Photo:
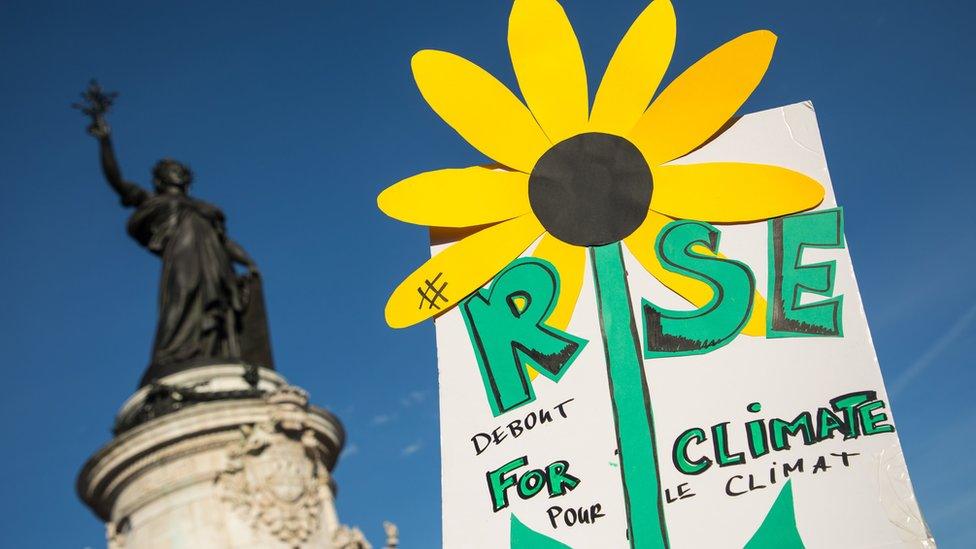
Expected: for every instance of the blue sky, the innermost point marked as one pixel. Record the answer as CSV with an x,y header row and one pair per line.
x,y
294,115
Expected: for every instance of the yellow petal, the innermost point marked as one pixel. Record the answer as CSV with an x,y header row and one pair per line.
x,y
756,326
569,262
457,197
549,66
703,98
635,70
641,244
731,192
480,108
460,269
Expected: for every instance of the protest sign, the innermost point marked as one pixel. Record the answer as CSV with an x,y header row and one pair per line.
x,y
649,332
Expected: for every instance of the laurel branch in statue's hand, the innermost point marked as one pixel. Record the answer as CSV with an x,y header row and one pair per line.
x,y
99,128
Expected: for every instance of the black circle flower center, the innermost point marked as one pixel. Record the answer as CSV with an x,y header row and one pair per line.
x,y
591,189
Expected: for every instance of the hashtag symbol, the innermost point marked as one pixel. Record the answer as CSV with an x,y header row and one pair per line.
x,y
431,293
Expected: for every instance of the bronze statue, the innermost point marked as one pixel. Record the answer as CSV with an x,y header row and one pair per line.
x,y
207,312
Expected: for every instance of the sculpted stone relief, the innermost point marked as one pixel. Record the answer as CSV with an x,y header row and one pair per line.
x,y
273,478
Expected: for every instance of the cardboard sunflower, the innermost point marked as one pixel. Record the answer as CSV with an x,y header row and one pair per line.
x,y
580,177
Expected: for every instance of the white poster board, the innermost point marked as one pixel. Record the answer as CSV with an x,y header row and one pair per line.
x,y
845,491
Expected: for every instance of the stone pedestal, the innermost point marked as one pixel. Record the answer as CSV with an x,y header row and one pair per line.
x,y
219,456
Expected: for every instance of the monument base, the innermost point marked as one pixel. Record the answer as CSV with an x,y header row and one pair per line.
x,y
217,456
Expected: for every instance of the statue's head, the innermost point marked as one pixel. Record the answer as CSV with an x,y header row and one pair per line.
x,y
170,175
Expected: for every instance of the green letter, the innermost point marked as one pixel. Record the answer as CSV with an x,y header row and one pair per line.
x,y
872,423
531,483
507,328
679,455
558,478
498,483
789,279
780,430
827,423
720,442
678,333
846,404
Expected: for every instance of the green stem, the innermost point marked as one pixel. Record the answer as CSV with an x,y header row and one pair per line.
x,y
631,401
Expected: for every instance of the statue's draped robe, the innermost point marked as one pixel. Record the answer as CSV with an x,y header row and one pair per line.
x,y
199,299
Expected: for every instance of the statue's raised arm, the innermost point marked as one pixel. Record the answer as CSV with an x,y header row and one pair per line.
x,y
95,104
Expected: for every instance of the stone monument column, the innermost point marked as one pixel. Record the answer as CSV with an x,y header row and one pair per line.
x,y
202,458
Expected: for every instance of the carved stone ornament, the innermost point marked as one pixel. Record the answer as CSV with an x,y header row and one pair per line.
x,y
346,537
392,534
273,478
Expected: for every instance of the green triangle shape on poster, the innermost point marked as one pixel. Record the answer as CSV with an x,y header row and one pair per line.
x,y
523,537
778,529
